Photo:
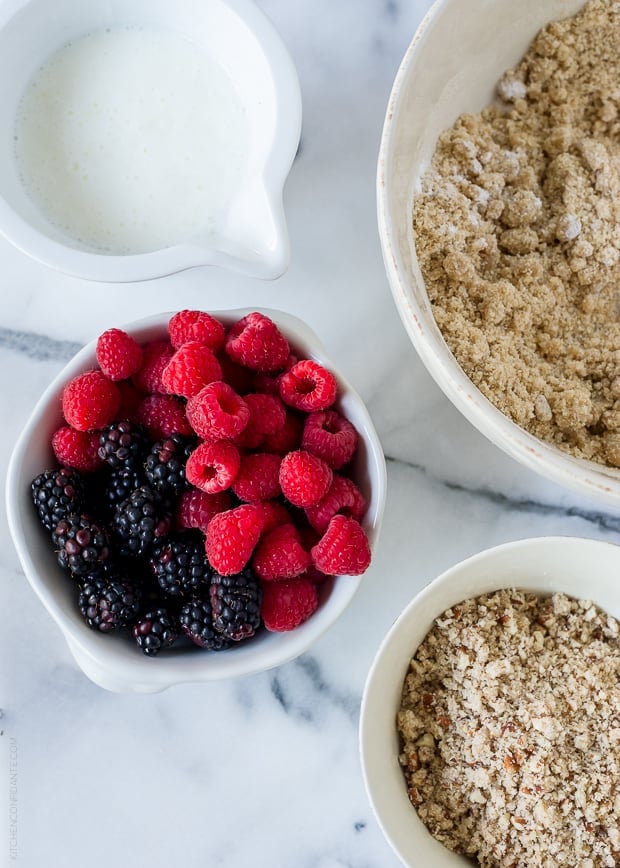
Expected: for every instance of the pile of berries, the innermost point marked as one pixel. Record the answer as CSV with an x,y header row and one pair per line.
x,y
204,485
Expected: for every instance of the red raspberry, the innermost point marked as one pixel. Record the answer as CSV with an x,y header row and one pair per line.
x,y
232,537
238,377
155,357
267,413
331,437
90,401
118,354
287,604
195,325
287,438
270,385
164,415
77,449
212,467
258,477
216,412
196,508
130,401
343,550
308,386
257,343
190,368
274,514
342,498
280,555
267,416
304,478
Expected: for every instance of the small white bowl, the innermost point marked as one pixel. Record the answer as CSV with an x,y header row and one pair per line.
x,y
239,37
118,664
452,66
581,568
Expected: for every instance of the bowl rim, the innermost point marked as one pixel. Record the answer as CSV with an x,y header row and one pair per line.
x,y
115,268
366,735
597,481
101,661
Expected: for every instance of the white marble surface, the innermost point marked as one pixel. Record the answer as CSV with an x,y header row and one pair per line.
x,y
263,771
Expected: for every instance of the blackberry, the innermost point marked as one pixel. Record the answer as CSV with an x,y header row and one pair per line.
x,y
107,604
165,464
196,622
155,630
123,445
56,494
139,521
235,601
119,485
180,564
82,543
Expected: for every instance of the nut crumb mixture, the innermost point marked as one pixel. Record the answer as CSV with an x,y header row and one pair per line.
x,y
510,731
517,230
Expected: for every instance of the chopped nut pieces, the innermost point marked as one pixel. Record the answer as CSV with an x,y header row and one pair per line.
x,y
517,230
510,732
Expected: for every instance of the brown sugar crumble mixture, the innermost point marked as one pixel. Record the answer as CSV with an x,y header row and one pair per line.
x,y
510,731
517,230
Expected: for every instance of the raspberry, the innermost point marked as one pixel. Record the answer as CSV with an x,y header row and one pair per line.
x,y
343,497
287,438
280,554
343,550
328,435
267,413
231,538
195,325
90,401
217,412
304,478
130,401
274,514
196,508
77,449
308,386
257,478
288,604
270,384
164,415
118,354
257,343
212,467
190,368
238,377
267,416
155,357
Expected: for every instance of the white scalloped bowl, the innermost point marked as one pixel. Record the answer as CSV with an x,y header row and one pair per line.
x,y
253,238
452,66
115,662
581,568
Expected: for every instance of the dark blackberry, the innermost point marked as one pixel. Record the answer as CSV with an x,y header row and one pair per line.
x,y
56,494
139,521
155,630
82,544
119,485
235,601
196,622
123,444
107,604
165,464
180,564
